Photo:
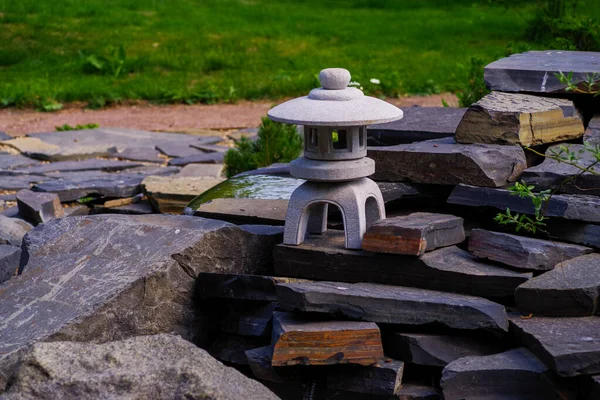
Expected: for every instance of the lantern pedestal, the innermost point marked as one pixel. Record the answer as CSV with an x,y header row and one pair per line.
x,y
360,202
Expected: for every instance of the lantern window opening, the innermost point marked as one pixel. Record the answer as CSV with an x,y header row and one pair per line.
x,y
339,139
313,139
361,137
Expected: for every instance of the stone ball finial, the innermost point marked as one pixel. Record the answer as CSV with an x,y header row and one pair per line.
x,y
334,78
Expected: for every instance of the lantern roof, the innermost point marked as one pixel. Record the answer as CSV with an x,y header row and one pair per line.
x,y
335,104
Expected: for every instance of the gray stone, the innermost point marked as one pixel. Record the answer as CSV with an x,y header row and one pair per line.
x,y
323,257
436,350
443,161
13,161
522,252
210,148
178,149
156,366
76,210
239,287
575,232
410,391
118,185
417,124
42,150
85,165
535,71
37,207
11,212
5,136
567,206
172,194
141,208
9,261
572,289
143,154
515,374
570,346
231,349
327,171
381,379
194,170
594,392
10,180
560,177
393,305
201,158
592,133
113,277
12,230
245,211
248,319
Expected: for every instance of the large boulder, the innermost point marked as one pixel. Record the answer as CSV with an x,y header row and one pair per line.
x,y
145,367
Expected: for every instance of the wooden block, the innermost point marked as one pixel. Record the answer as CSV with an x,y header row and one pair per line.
x,y
381,379
323,257
514,118
239,287
414,234
300,341
522,252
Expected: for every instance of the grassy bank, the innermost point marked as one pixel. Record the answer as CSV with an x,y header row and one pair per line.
x,y
220,50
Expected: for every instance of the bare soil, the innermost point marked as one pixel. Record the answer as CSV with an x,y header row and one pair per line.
x,y
180,118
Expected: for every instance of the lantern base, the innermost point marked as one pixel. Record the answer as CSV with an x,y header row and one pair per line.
x,y
360,202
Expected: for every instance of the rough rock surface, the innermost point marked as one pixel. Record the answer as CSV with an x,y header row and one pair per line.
x,y
393,304
515,374
592,133
572,289
195,170
245,211
85,165
14,161
445,162
108,277
522,252
169,194
157,366
9,261
37,207
201,158
12,230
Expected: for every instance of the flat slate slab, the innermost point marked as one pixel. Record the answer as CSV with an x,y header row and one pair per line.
x,y
14,161
12,230
249,319
100,268
177,149
417,124
535,71
239,287
195,170
42,150
575,232
143,154
522,252
9,261
246,211
393,305
554,175
567,206
592,133
85,165
436,350
324,257
515,374
414,234
10,180
570,346
572,289
169,194
381,379
445,162
37,208
514,118
201,158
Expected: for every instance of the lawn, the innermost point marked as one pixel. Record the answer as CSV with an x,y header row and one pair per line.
x,y
222,50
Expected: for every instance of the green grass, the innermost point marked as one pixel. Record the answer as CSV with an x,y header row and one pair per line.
x,y
220,50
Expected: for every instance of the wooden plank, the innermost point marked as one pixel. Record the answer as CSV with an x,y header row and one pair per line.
x,y
301,341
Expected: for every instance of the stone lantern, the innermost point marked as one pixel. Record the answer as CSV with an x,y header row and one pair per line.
x,y
334,165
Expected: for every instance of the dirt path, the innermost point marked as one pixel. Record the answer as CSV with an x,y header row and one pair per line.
x,y
166,118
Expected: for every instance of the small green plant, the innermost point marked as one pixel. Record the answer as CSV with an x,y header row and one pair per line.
x,y
77,127
111,63
50,105
590,86
474,88
276,142
523,221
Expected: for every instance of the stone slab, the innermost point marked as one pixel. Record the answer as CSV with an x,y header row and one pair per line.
x,y
14,161
445,162
5,136
535,71
570,346
108,277
323,257
246,211
12,230
9,261
414,234
575,232
239,287
231,349
301,341
592,133
515,374
194,170
567,206
210,148
594,391
514,118
248,319
572,289
522,252
417,124
411,391
202,158
381,379
85,165
10,180
430,349
118,185
37,207
177,149
393,305
169,194
143,154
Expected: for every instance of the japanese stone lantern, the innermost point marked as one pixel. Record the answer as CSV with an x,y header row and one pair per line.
x,y
335,165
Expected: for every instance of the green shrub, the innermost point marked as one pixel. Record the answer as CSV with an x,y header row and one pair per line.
x,y
474,88
276,142
77,127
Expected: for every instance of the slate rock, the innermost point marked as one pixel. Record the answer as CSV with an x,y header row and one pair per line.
x,y
417,124
445,162
41,150
273,169
410,391
324,257
142,154
535,71
14,161
239,287
85,165
381,379
592,133
515,374
245,211
201,158
210,148
114,277
194,170
37,208
414,234
177,149
594,392
564,178
76,210
116,185
570,346
572,289
12,230
248,319
154,366
514,118
5,136
393,305
522,252
10,180
141,208
575,232
231,349
172,194
9,261
574,207
430,349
